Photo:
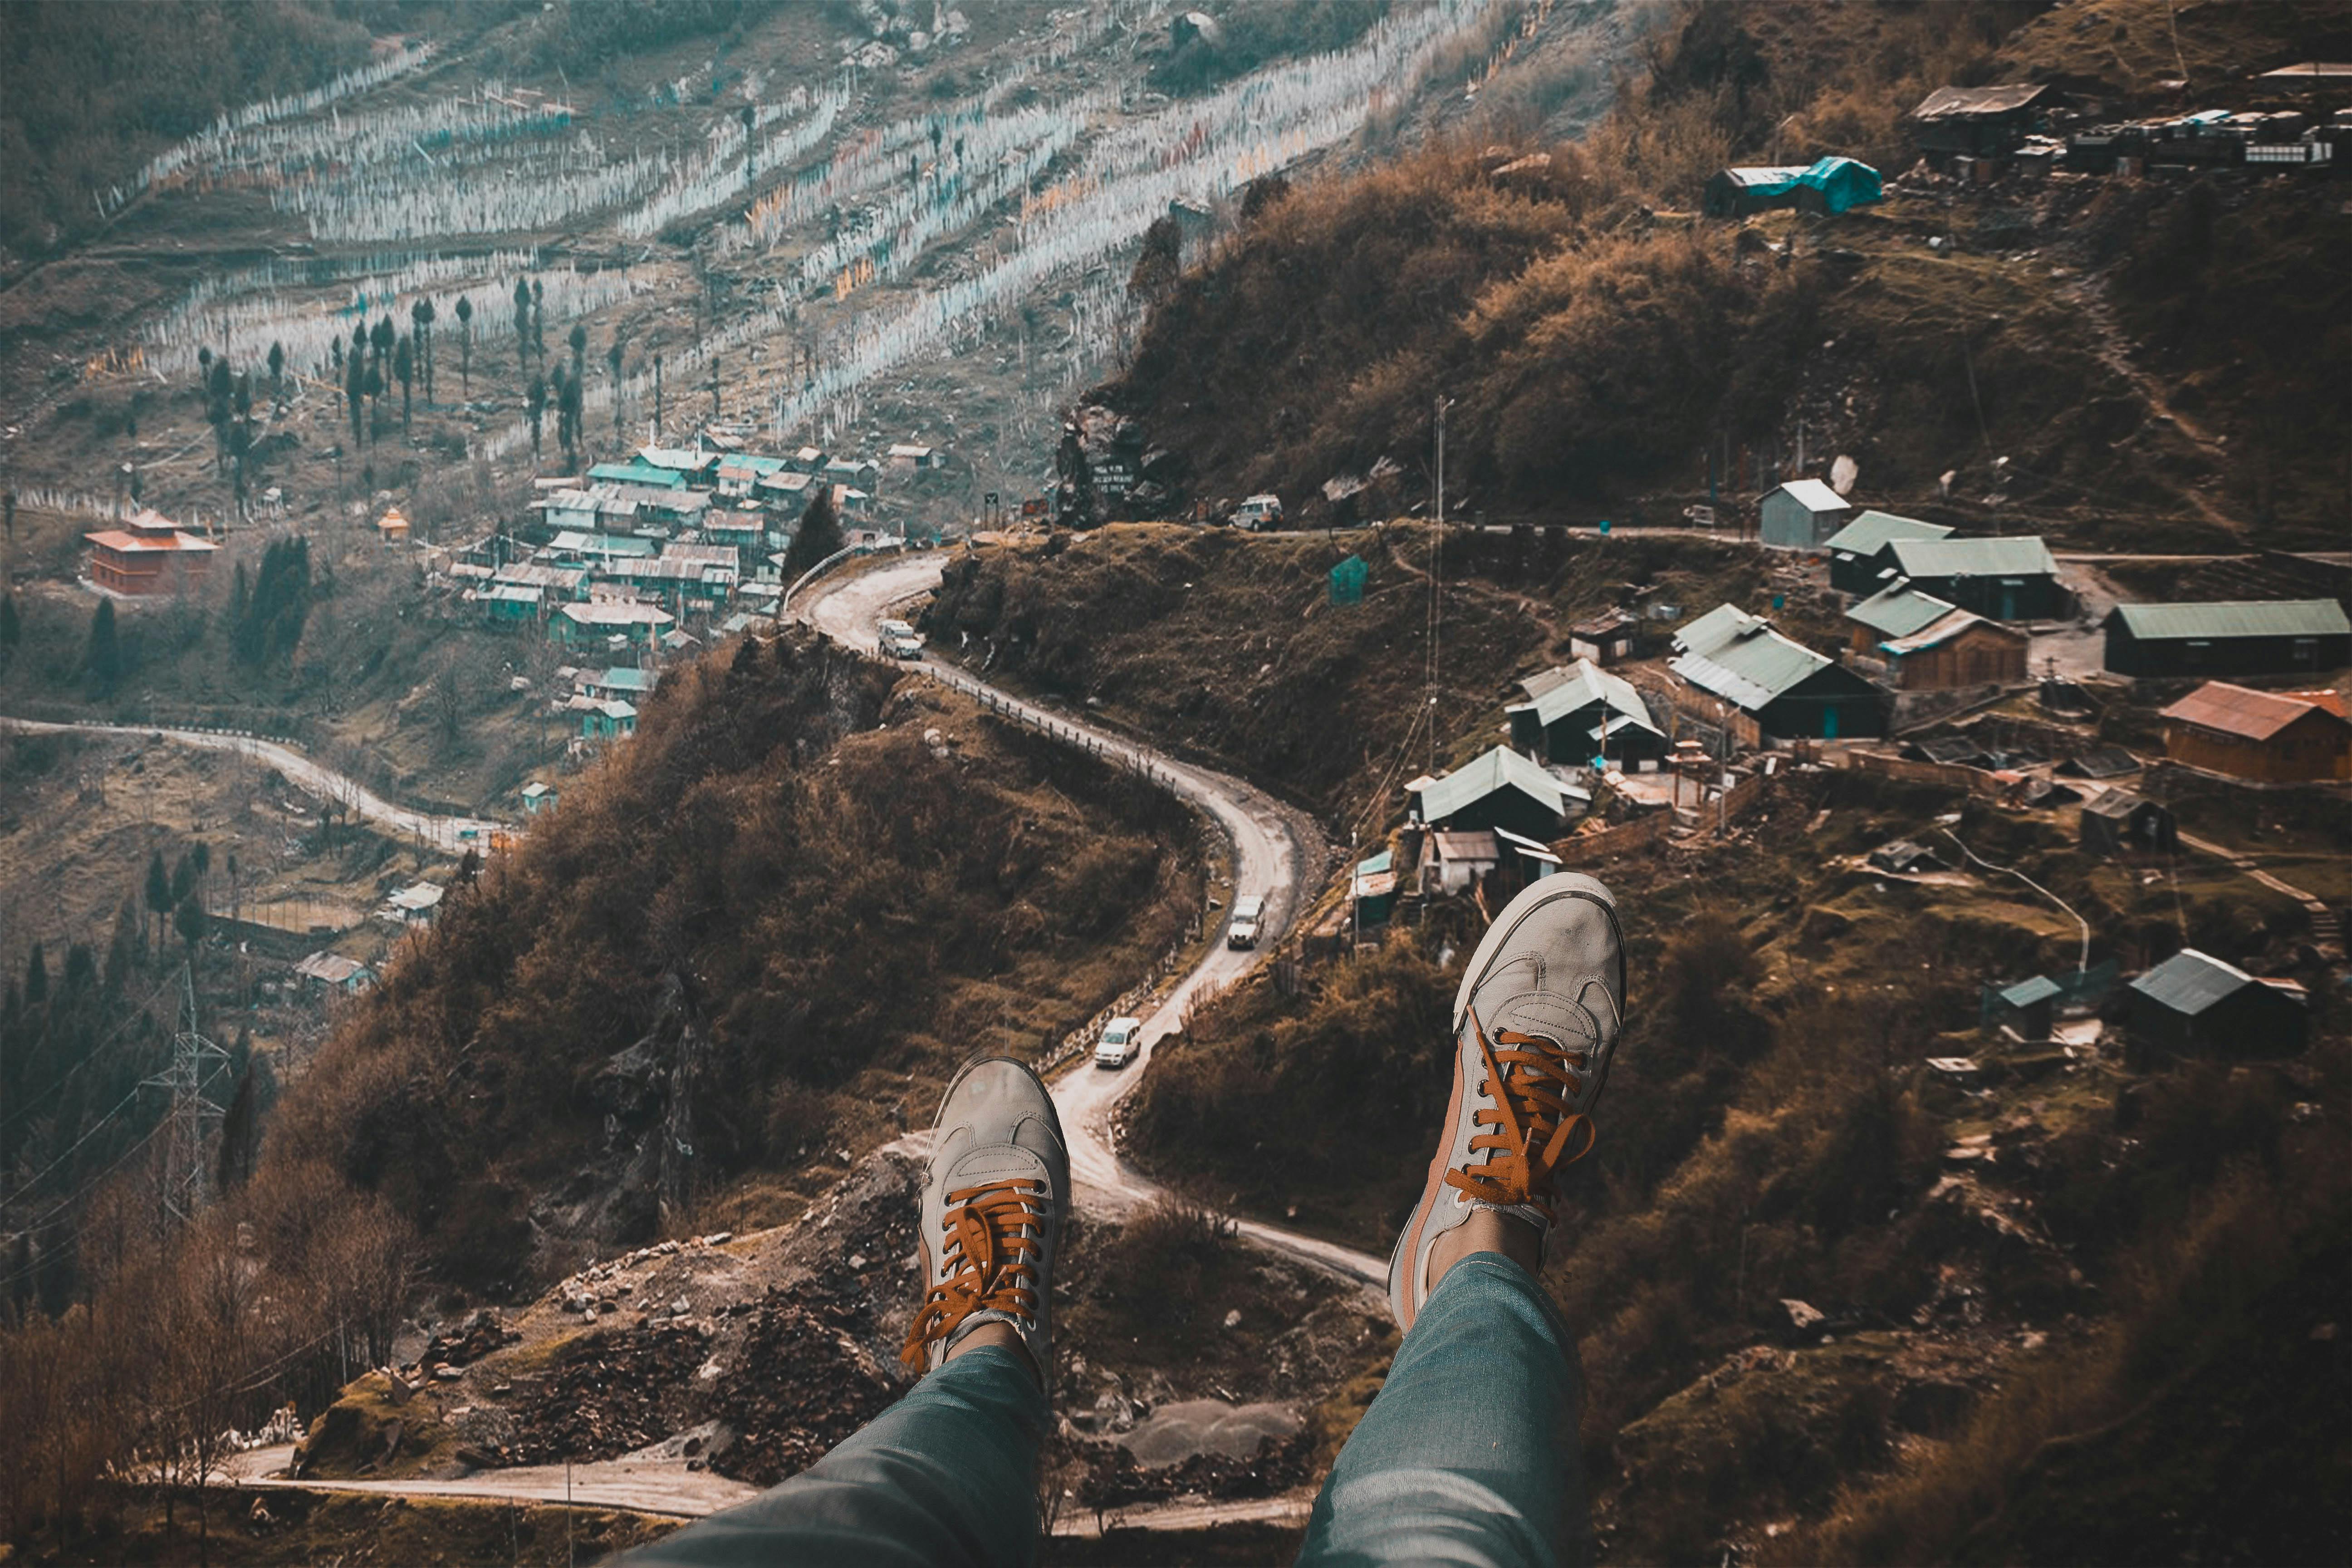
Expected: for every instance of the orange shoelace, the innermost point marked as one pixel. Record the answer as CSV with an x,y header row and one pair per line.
x,y
994,1238
1531,1081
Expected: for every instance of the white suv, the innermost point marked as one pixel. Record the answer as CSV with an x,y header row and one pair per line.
x,y
1121,1038
1259,511
1247,912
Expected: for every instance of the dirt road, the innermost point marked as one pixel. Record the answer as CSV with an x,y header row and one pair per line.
x,y
451,835
1267,860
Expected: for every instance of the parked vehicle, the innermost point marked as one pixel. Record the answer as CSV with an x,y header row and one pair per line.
x,y
1259,511
1247,912
899,641
1121,1038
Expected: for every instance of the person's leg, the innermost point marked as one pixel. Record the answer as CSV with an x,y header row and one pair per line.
x,y
947,1475
1468,1455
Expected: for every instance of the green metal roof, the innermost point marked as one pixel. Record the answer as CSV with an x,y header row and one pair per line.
x,y
1564,689
2026,992
638,474
2236,618
1739,657
2021,557
1899,611
2189,982
1873,531
1501,768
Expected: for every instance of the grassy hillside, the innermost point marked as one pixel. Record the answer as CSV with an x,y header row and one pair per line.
x,y
2078,354
763,932
2019,1348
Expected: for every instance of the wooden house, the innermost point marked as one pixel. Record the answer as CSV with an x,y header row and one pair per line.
x,y
2195,1004
2013,579
147,554
2266,736
1959,648
1500,789
1860,562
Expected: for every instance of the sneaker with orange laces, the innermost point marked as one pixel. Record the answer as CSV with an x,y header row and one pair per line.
x,y
994,1196
1534,1023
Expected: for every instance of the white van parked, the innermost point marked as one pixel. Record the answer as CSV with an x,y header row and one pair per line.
x,y
1259,511
1247,912
1121,1038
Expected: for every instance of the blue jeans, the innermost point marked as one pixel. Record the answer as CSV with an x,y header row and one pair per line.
x,y
1468,1457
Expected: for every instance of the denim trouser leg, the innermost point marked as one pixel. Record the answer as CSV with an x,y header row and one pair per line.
x,y
946,1476
1468,1455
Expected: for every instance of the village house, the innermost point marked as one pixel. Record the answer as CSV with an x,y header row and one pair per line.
x,y
2026,1009
2266,736
1787,690
641,474
2013,579
597,509
604,718
1451,862
599,622
1737,192
1954,123
2120,820
1605,640
147,554
623,681
808,460
1577,712
538,797
2195,1004
1499,789
1959,648
741,531
857,472
1860,562
2283,636
1803,514
332,975
414,905
510,603
908,457
784,491
692,467
601,550
391,528
1894,611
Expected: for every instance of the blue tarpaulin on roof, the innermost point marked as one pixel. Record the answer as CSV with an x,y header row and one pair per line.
x,y
1843,183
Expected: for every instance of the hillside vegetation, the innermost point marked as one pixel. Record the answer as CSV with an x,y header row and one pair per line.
x,y
2013,1351
765,931
1599,341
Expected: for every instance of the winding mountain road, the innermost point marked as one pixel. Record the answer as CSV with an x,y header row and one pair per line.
x,y
1267,860
452,835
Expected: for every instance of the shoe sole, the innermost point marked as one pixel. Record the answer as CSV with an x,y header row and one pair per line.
x,y
1538,895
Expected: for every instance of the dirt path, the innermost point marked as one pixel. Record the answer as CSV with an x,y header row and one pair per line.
x,y
2326,930
2115,352
1268,859
451,835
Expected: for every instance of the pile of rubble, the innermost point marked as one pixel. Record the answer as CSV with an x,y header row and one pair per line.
x,y
602,1290
799,1387
1114,1478
476,1338
608,1393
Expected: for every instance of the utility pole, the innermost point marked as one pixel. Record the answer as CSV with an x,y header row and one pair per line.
x,y
1437,583
196,1063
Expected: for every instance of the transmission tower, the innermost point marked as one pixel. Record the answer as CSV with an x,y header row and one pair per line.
x,y
197,1067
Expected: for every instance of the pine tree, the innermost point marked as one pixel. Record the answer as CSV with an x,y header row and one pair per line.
x,y
522,326
11,632
403,366
159,886
613,358
465,344
36,978
188,921
818,536
104,657
277,369
535,405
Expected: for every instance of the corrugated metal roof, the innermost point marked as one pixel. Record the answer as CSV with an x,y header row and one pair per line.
x,y
2115,805
2241,710
1766,175
2189,982
2026,992
1943,629
2236,618
1870,533
1565,689
1741,659
1975,102
1815,496
1504,837
1899,611
1478,846
2021,557
1501,768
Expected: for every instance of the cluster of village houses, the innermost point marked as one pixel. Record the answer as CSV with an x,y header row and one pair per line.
x,y
1937,625
1978,133
645,559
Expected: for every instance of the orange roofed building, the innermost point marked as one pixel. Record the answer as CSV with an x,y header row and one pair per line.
x,y
2271,737
147,554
